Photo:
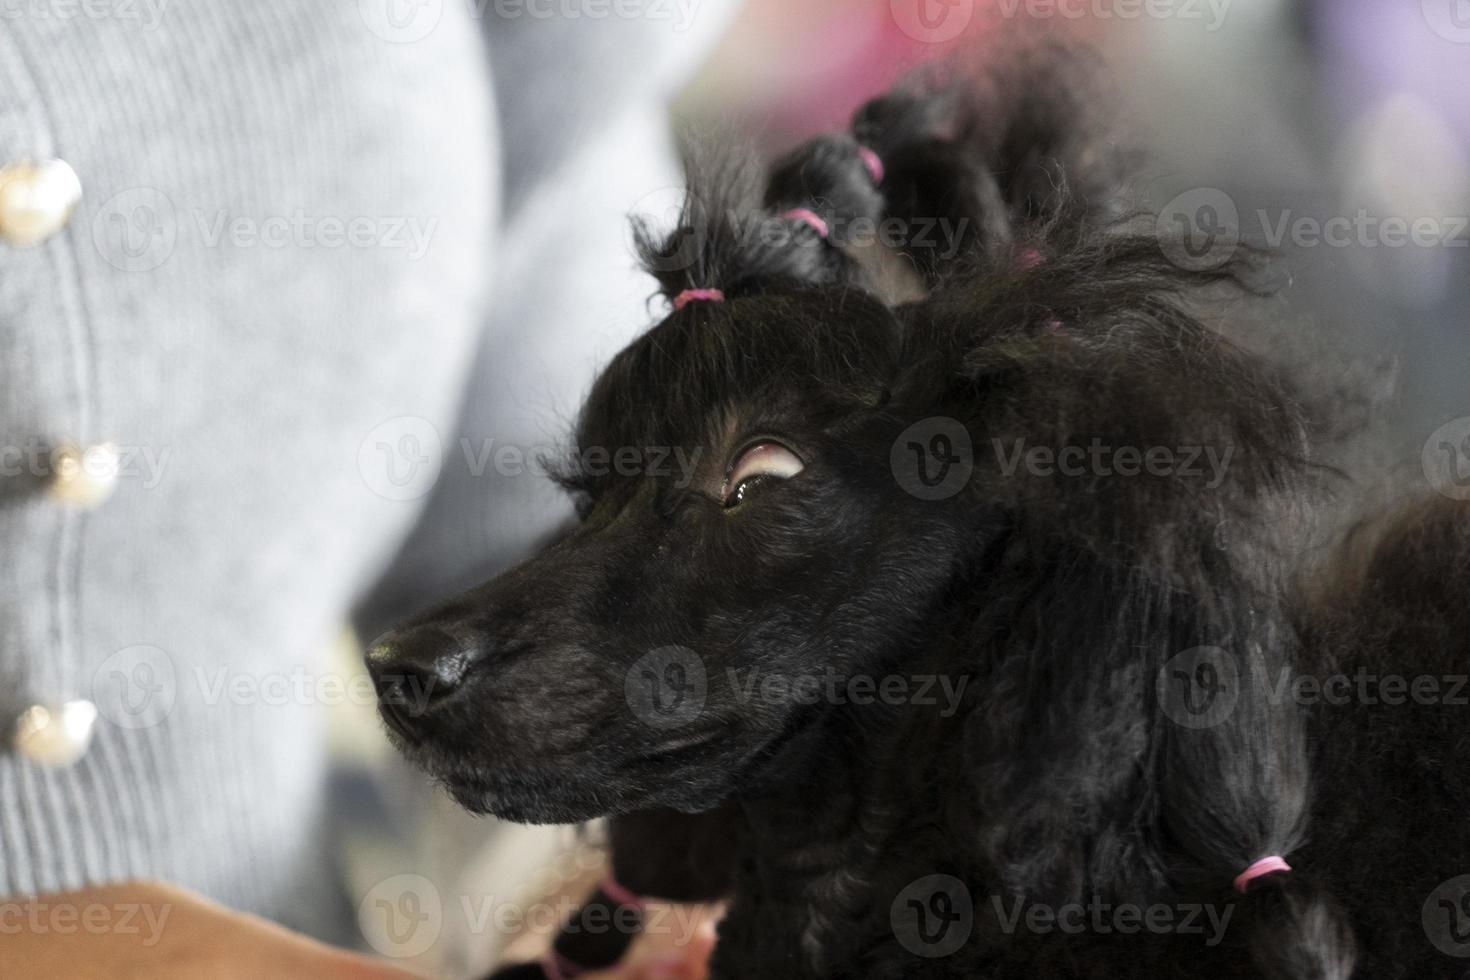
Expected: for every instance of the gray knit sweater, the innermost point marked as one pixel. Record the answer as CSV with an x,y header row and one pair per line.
x,y
297,259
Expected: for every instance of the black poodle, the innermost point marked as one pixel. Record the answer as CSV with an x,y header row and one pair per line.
x,y
981,639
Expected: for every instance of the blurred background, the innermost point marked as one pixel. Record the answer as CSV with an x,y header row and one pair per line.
x,y
1282,114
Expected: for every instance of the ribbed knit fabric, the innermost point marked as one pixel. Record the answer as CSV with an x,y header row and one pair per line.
x,y
243,379
251,371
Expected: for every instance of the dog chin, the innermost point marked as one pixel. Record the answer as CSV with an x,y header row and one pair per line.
x,y
540,801
531,801
533,809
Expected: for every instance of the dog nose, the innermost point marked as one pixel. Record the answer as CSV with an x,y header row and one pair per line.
x,y
415,669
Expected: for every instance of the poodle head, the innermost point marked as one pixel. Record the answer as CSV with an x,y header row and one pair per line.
x,y
753,536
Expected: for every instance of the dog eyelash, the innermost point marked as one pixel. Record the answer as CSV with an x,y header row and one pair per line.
x,y
736,497
580,487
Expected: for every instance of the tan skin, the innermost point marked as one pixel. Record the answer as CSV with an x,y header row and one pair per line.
x,y
189,937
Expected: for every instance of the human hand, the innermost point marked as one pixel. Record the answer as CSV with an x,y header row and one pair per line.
x,y
153,931
666,956
657,955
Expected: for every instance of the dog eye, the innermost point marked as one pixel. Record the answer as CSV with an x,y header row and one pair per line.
x,y
762,461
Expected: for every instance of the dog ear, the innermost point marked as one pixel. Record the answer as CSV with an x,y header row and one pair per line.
x,y
1391,605
1130,620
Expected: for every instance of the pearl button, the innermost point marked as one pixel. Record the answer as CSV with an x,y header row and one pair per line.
x,y
36,200
56,737
83,478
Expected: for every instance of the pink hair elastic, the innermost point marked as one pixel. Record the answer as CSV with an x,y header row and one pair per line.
x,y
1265,866
873,162
1028,259
557,967
620,894
808,217
698,296
554,965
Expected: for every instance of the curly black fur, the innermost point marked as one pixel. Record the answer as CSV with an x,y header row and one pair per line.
x,y
1052,605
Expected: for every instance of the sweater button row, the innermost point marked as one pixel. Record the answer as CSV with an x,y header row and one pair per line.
x,y
58,735
36,202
